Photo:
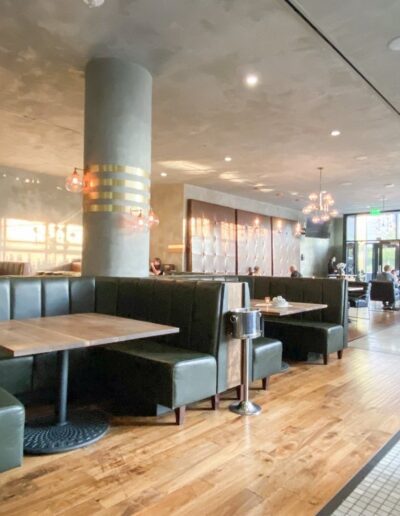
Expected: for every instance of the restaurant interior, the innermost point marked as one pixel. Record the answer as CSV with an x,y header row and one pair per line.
x,y
199,257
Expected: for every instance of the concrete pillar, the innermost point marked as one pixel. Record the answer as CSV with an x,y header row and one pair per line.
x,y
117,165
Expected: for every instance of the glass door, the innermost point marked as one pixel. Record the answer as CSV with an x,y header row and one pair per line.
x,y
388,254
367,256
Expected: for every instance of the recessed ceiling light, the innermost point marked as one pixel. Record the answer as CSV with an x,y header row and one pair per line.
x,y
266,190
346,183
294,193
394,44
237,180
37,181
58,188
335,132
4,175
163,174
259,185
94,3
17,178
251,80
228,175
228,158
389,185
361,158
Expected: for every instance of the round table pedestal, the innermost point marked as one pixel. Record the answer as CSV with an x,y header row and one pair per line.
x,y
82,428
63,432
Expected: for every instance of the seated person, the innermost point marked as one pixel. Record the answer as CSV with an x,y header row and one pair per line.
x,y
249,271
332,266
156,268
386,275
256,271
294,273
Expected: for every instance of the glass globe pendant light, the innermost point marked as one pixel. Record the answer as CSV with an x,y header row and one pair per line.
x,y
74,182
320,208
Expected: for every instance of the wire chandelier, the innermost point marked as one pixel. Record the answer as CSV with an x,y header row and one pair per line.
x,y
320,209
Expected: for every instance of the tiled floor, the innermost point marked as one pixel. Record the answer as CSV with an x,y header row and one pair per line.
x,y
379,492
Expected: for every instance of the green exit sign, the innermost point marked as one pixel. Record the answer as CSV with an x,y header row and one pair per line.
x,y
374,211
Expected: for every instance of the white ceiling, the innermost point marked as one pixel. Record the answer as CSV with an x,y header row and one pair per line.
x,y
199,52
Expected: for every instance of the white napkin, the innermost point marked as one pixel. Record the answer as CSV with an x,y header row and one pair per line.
x,y
279,301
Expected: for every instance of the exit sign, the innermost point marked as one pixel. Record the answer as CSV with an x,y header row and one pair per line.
x,y
374,211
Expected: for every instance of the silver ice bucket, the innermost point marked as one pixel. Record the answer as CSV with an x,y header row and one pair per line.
x,y
246,323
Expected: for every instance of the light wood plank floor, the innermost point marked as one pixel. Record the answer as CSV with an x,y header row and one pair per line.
x,y
319,426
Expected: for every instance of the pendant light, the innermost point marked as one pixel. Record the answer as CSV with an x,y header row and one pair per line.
x,y
74,182
320,209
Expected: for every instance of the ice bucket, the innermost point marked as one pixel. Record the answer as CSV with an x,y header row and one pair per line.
x,y
246,323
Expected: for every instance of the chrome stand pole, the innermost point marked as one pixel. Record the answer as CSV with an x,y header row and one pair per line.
x,y
245,407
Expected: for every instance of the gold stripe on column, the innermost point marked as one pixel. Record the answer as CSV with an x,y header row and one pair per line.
x,y
119,196
134,171
110,208
120,183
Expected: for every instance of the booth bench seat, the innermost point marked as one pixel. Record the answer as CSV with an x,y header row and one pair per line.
x,y
167,375
301,337
12,421
199,356
321,331
266,359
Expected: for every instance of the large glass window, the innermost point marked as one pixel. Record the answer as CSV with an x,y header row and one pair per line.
x,y
43,245
372,241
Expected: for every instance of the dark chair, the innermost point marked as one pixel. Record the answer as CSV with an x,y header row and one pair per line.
x,y
386,292
360,299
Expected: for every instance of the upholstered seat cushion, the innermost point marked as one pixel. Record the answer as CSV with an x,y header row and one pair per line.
x,y
15,373
316,336
267,357
12,420
163,374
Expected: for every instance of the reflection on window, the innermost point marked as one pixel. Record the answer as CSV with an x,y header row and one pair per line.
x,y
43,245
372,228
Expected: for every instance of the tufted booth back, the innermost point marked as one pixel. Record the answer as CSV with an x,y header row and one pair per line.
x,y
194,307
23,298
306,290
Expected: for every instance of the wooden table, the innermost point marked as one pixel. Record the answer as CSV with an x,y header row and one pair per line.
x,y
268,309
61,334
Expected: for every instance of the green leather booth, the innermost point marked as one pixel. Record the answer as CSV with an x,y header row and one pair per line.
x,y
266,355
12,420
320,331
171,371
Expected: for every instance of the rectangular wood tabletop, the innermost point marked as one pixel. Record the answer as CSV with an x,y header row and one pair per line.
x,y
61,332
293,308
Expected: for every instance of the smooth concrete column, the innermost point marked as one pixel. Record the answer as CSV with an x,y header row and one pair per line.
x,y
117,164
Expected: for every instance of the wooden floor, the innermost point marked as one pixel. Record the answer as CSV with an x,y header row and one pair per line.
x,y
319,426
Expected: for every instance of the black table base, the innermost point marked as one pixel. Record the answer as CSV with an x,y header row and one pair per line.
x,y
82,428
63,432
